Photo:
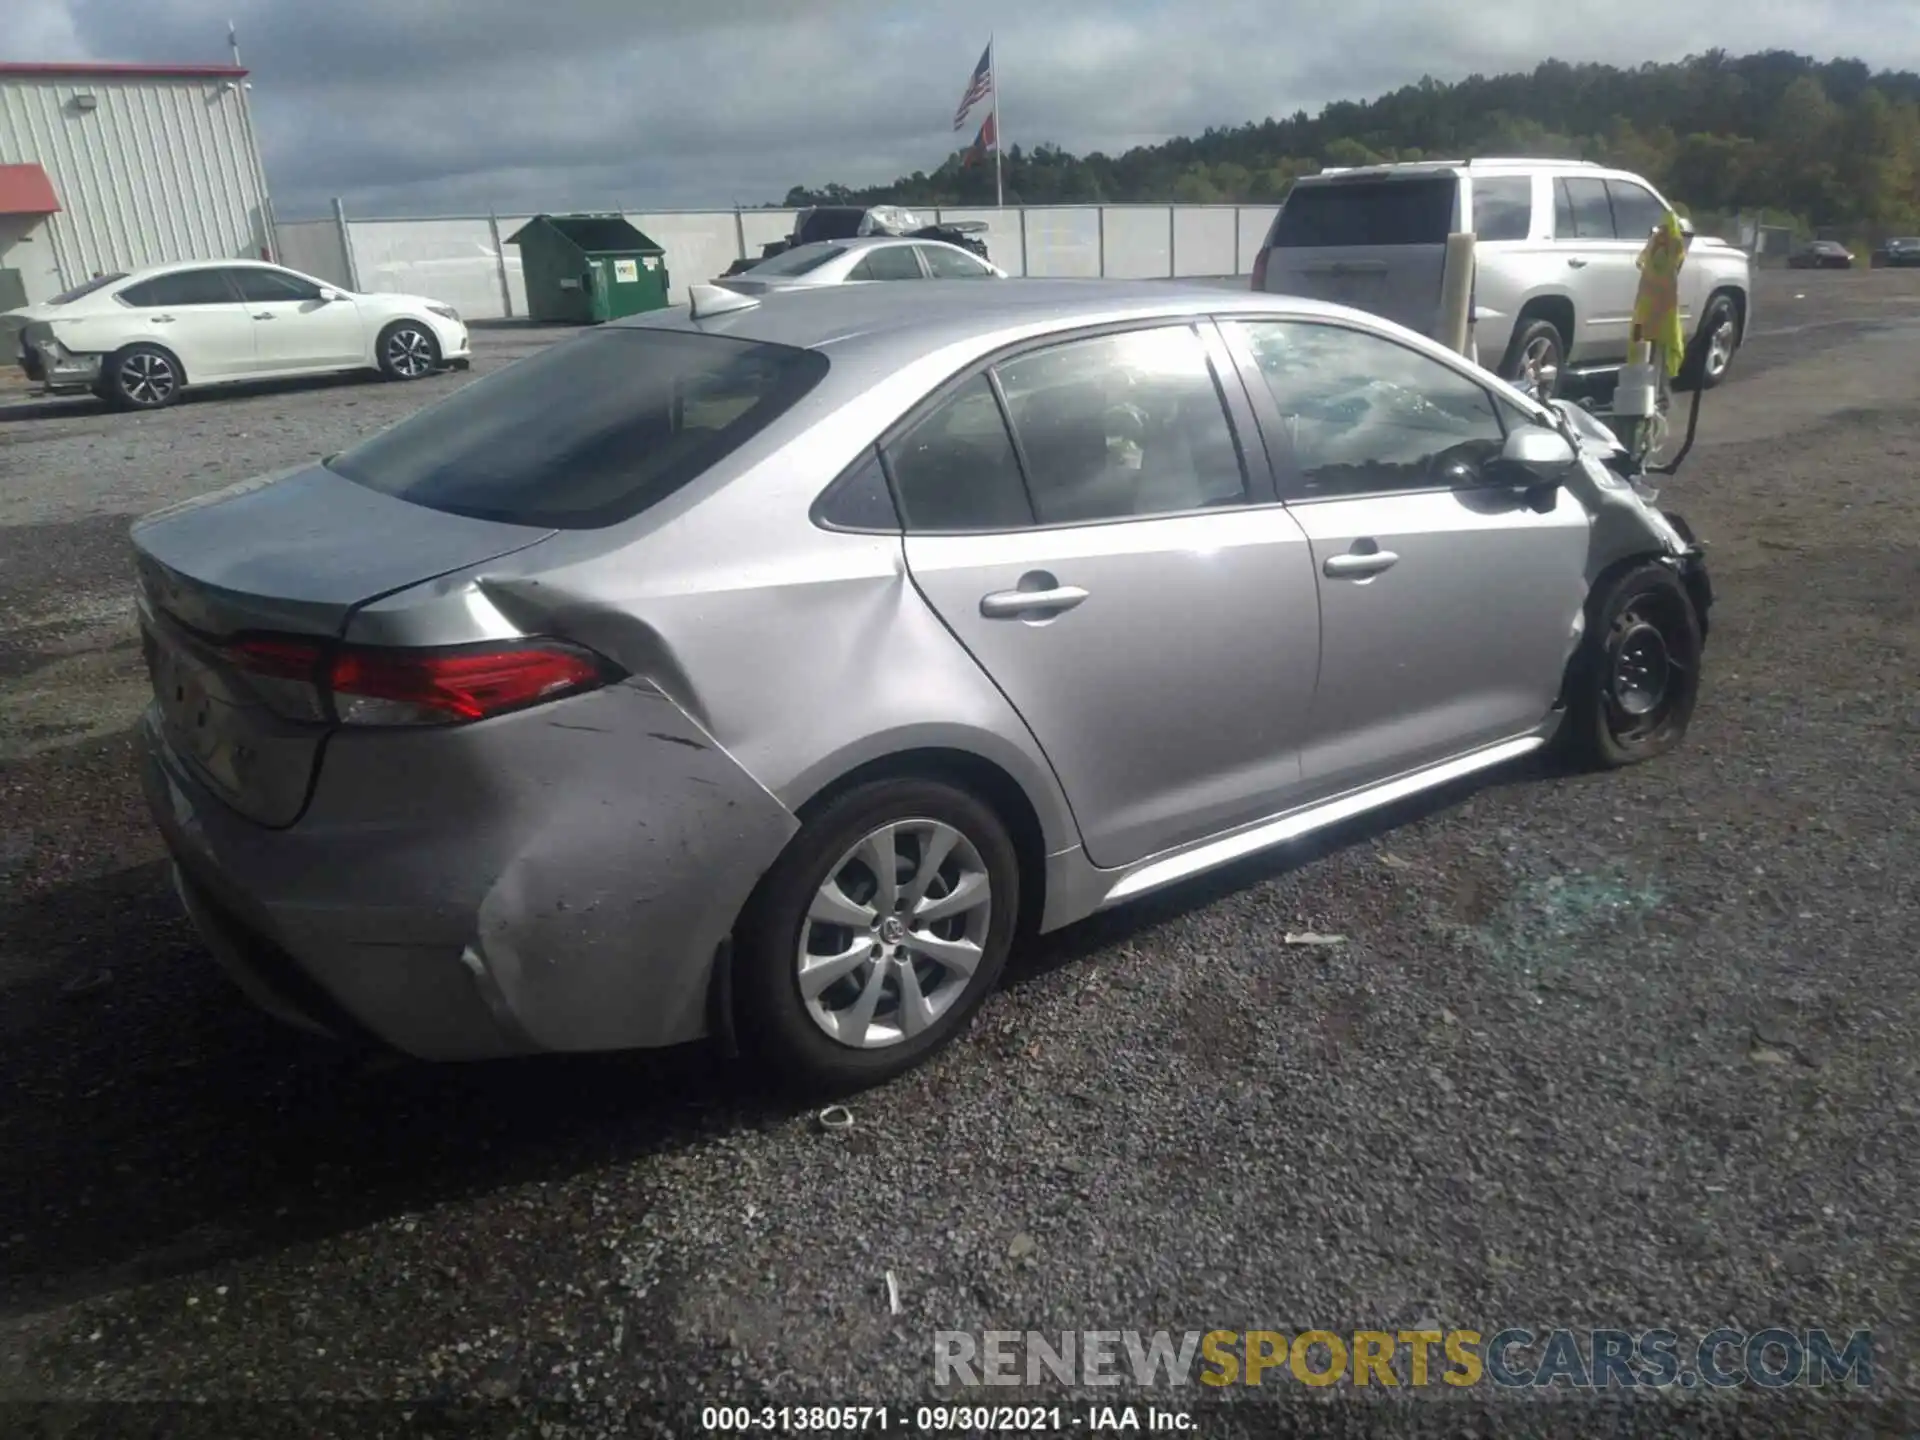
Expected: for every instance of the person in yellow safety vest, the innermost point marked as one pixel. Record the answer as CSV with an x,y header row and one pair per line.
x,y
1656,309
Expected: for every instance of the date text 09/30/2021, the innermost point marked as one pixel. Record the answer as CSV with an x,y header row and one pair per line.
x,y
944,1419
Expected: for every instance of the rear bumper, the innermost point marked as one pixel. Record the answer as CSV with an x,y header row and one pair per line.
x,y
455,896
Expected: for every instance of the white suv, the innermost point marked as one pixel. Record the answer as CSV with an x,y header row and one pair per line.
x,y
1554,272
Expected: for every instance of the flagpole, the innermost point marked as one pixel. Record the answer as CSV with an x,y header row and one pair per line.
x,y
993,64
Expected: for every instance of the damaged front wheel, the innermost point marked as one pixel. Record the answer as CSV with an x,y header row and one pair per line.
x,y
1637,674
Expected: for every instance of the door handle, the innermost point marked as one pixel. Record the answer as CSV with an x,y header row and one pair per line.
x,y
1577,263
264,315
163,319
1352,566
1013,604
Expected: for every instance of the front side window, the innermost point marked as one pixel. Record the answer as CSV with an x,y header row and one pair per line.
x,y
587,432
1587,209
1122,425
1363,415
262,285
888,262
1503,207
1635,211
956,470
183,287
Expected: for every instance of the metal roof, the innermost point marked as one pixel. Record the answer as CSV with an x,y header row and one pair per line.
x,y
115,70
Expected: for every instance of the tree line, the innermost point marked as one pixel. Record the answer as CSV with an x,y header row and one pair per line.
x,y
1819,145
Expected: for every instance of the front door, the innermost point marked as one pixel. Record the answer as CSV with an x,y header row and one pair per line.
x,y
293,328
1145,608
1447,605
1602,278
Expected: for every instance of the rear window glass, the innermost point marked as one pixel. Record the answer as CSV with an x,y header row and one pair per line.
x,y
588,432
1366,212
67,297
797,261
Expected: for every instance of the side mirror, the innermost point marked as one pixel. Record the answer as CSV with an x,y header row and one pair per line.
x,y
328,294
1534,459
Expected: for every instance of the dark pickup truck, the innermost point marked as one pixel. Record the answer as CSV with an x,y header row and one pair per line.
x,y
846,222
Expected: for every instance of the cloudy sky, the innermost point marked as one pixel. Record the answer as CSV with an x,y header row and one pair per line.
x,y
410,107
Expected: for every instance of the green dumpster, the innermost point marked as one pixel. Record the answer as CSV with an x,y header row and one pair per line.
x,y
589,268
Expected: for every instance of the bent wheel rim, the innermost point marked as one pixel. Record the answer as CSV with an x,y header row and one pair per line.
x,y
894,934
147,379
409,352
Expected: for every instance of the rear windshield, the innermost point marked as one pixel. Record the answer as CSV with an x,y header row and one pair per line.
x,y
66,297
588,432
797,261
1338,213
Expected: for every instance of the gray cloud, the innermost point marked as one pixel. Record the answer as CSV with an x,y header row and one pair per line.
x,y
461,105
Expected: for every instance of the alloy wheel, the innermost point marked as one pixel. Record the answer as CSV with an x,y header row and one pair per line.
x,y
894,933
1720,346
409,352
148,379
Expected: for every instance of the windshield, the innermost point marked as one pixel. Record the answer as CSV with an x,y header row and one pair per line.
x,y
588,432
98,282
797,261
1339,213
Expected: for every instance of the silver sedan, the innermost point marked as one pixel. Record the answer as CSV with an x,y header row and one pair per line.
x,y
765,671
870,257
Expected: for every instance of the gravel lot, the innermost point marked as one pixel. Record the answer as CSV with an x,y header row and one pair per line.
x,y
1635,1050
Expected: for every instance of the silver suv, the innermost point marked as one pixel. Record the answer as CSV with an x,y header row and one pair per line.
x,y
1554,274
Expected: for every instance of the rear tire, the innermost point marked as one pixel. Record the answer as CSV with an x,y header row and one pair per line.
x,y
1536,359
822,900
142,377
407,350
1636,676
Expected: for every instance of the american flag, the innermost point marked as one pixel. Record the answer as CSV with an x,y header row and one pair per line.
x,y
983,144
978,88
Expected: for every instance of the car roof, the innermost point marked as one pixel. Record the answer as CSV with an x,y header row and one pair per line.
x,y
901,322
175,267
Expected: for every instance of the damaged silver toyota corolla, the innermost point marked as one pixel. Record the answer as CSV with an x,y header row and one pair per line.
x,y
763,670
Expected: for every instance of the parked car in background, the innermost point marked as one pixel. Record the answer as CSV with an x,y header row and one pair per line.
x,y
1554,252
852,222
765,667
1821,255
1902,250
139,340
837,262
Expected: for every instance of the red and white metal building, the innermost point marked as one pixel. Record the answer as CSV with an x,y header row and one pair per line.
x,y
109,167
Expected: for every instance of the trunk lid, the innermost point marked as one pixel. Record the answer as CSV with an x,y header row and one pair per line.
x,y
292,553
1374,242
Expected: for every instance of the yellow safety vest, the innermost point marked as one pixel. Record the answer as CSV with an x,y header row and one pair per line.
x,y
1656,309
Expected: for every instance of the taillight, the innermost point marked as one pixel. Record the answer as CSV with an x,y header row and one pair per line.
x,y
1260,269
367,685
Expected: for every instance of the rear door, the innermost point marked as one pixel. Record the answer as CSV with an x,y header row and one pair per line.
x,y
199,316
1375,242
1123,576
1447,606
293,328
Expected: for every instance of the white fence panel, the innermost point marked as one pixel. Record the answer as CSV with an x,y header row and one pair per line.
x,y
1002,236
1203,239
1063,241
1255,221
763,227
313,248
699,247
448,260
1138,238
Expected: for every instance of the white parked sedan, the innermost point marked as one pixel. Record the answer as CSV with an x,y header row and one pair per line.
x,y
867,257
138,340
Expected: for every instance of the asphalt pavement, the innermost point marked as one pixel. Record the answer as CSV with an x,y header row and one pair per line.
x,y
1635,1050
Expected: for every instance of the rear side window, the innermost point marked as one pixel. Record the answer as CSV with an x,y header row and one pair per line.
x,y
1635,211
956,470
1586,207
183,287
587,432
889,262
1336,213
1503,207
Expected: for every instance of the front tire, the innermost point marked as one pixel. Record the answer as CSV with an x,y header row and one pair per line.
x,y
1636,676
408,351
142,377
1536,360
846,975
1714,345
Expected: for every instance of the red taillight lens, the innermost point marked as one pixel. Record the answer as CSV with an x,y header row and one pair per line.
x,y
377,686
1260,269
